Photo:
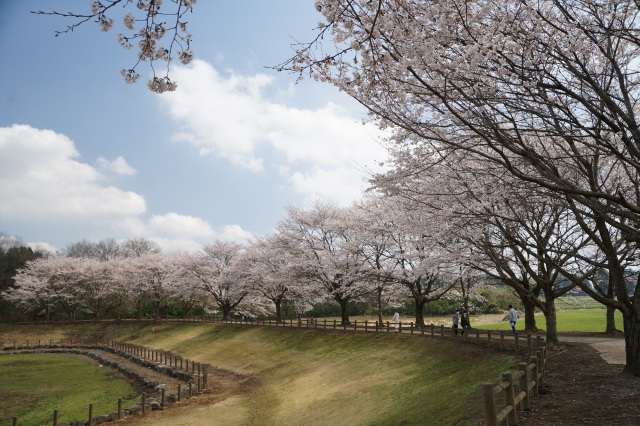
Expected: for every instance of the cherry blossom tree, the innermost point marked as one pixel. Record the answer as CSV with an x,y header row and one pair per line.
x,y
269,269
213,268
32,291
155,272
145,27
321,243
374,234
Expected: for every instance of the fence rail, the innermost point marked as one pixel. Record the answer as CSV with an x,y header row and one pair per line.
x,y
492,339
517,389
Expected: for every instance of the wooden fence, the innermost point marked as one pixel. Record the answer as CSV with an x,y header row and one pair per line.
x,y
492,339
194,374
517,388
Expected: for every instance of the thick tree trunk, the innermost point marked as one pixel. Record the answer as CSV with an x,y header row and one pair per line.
x,y
529,316
632,343
344,314
529,313
226,310
379,291
551,319
278,304
419,305
611,320
631,317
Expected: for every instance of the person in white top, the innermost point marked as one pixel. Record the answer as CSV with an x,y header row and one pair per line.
x,y
396,320
513,317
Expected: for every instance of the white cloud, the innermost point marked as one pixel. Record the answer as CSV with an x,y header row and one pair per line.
x,y
41,177
119,166
42,247
177,232
317,151
177,225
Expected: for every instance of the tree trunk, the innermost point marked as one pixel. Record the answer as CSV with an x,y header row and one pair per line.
x,y
344,304
419,305
278,304
226,310
632,343
551,319
379,291
529,317
631,317
611,320
529,314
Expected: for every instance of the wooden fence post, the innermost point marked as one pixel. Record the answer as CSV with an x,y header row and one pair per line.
x,y
334,324
524,385
162,397
534,360
90,414
179,392
387,326
15,421
509,399
204,377
399,326
144,402
432,330
411,326
55,417
119,408
442,330
489,401
502,340
540,358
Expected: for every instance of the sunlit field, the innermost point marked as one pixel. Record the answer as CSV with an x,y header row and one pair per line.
x,y
34,385
322,378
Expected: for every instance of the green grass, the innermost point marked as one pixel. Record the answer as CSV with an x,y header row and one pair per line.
x,y
311,377
324,378
587,320
33,385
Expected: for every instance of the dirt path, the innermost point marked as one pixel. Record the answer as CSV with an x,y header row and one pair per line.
x,y
611,349
584,385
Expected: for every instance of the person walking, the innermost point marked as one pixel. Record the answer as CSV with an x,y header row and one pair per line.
x,y
513,318
396,320
455,322
464,321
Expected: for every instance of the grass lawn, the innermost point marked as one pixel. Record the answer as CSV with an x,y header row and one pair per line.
x,y
311,377
33,385
327,378
584,320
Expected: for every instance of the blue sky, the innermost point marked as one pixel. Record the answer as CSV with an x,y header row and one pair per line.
x,y
83,155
